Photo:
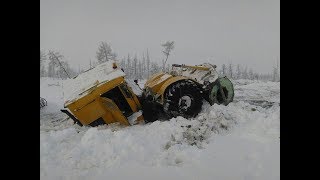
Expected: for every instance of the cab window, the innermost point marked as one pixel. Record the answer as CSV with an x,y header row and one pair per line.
x,y
126,91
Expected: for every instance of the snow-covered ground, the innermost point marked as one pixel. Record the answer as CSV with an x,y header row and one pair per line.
x,y
238,141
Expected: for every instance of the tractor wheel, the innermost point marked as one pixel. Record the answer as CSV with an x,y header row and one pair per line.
x,y
183,98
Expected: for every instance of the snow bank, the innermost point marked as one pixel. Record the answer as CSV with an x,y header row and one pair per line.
x,y
51,90
238,141
200,147
101,73
249,90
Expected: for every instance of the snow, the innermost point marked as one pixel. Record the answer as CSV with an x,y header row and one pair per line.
x,y
51,90
137,89
184,102
238,141
252,90
74,88
162,78
133,118
198,75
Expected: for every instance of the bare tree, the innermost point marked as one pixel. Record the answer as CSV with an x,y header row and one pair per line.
x,y
143,65
238,71
224,69
275,74
128,66
168,47
55,60
256,76
245,73
135,64
123,63
43,58
148,64
52,65
65,70
140,71
168,68
105,53
230,71
154,68
251,75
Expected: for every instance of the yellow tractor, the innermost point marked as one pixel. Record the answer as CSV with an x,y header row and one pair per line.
x,y
181,91
102,96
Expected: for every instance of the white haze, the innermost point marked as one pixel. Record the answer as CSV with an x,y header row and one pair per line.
x,y
243,32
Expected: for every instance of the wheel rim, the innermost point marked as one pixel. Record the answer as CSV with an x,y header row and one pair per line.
x,y
185,102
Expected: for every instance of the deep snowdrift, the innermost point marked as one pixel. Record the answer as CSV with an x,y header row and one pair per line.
x,y
238,141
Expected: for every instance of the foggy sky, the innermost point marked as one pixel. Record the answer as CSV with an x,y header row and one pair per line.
x,y
217,31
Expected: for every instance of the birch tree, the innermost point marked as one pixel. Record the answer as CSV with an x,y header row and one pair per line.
x,y
168,47
105,53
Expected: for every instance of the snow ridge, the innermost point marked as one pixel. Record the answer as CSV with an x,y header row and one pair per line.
x,y
238,141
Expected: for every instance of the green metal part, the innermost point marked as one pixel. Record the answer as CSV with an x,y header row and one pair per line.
x,y
222,91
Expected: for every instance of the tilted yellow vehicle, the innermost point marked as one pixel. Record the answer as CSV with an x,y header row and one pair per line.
x,y
101,95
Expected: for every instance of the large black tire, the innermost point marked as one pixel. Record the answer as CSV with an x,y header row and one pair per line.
x,y
183,98
152,111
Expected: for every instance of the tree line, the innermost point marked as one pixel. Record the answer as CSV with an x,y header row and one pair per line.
x,y
140,67
242,72
57,67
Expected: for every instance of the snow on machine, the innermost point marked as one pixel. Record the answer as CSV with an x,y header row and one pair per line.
x,y
102,96
181,91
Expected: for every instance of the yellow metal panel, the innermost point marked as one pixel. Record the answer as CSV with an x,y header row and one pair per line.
x,y
91,106
108,118
137,102
89,112
114,110
153,78
157,82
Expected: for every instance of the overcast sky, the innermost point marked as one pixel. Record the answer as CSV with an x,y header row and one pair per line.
x,y
243,32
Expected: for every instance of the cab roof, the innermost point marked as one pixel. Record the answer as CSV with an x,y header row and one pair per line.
x,y
73,88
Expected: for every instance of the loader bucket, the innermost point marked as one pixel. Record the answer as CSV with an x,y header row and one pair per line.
x,y
222,91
